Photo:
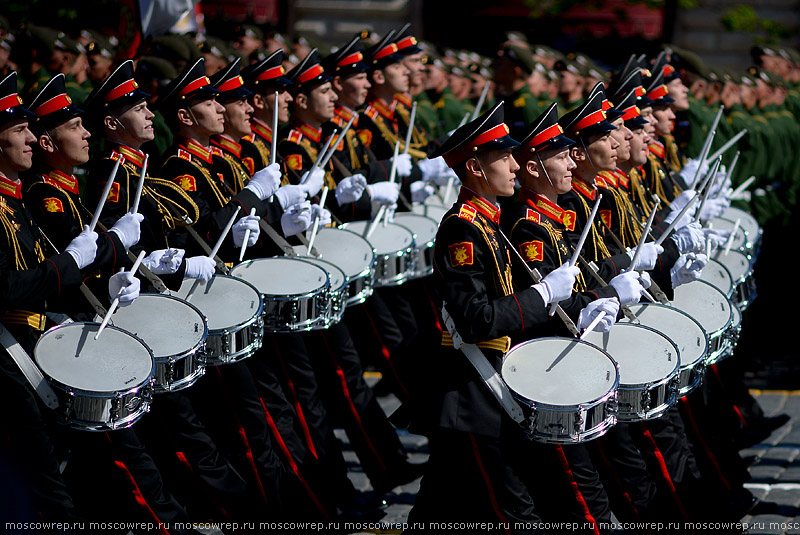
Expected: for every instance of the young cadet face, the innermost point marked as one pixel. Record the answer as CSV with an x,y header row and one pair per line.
x,y
396,77
135,125
663,116
69,144
15,141
415,69
237,117
321,102
639,150
499,168
679,93
209,118
353,89
650,127
603,152
623,137
559,165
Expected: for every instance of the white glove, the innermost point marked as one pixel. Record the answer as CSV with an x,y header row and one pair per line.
x,y
714,208
420,191
296,219
125,286
83,248
128,228
690,170
432,169
628,287
557,285
404,164
687,268
200,267
324,215
647,258
289,195
689,238
607,305
313,183
350,189
164,261
266,181
248,222
718,238
384,192
681,200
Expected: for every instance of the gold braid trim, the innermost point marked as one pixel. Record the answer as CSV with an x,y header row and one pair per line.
x,y
73,209
239,174
640,193
629,233
222,199
418,138
556,236
392,138
186,206
656,174
600,250
672,153
350,141
11,238
263,151
312,153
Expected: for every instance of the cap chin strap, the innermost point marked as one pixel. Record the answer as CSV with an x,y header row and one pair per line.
x,y
52,139
123,126
546,174
483,174
588,156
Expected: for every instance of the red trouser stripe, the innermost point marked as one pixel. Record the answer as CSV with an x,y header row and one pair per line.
x,y
662,465
488,483
301,417
292,464
587,514
351,406
718,377
137,495
185,462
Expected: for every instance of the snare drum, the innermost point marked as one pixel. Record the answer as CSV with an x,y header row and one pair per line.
x,y
394,251
234,313
337,296
718,275
424,229
709,306
739,240
740,267
353,255
735,330
102,384
294,292
566,387
434,212
749,224
175,330
649,369
687,334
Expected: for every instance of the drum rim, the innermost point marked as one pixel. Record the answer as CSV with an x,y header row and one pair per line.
x,y
730,277
409,247
676,369
612,392
750,268
238,326
287,297
718,332
373,260
686,315
428,243
97,393
194,349
345,278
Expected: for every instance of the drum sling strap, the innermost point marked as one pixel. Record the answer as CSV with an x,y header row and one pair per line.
x,y
492,379
28,368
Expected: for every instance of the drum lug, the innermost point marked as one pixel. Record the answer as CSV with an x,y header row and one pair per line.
x,y
68,406
170,371
612,406
578,426
646,399
114,411
675,384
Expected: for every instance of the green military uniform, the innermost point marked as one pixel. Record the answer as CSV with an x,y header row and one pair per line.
x,y
521,108
700,116
449,110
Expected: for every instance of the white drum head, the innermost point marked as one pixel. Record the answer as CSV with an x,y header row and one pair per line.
x,y
386,240
644,355
705,303
746,220
349,251
424,228
435,200
559,371
718,275
721,223
282,276
115,361
168,325
434,212
735,262
225,301
335,274
676,325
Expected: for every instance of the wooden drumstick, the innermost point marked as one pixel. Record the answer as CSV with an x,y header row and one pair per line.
x,y
246,237
743,186
106,191
274,148
315,228
589,328
115,302
645,233
481,100
732,236
410,132
214,251
321,154
727,145
140,186
674,223
332,150
382,209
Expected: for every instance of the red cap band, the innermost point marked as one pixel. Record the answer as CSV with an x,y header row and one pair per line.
x,y
274,72
311,73
9,101
229,85
546,135
54,104
194,86
122,89
591,119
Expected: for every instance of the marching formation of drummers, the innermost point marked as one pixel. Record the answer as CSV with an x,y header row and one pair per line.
x,y
183,329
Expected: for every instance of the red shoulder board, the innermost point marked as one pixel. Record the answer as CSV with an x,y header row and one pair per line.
x,y
533,215
295,136
52,204
184,155
186,182
294,161
605,217
568,218
216,151
467,212
114,155
461,254
532,251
